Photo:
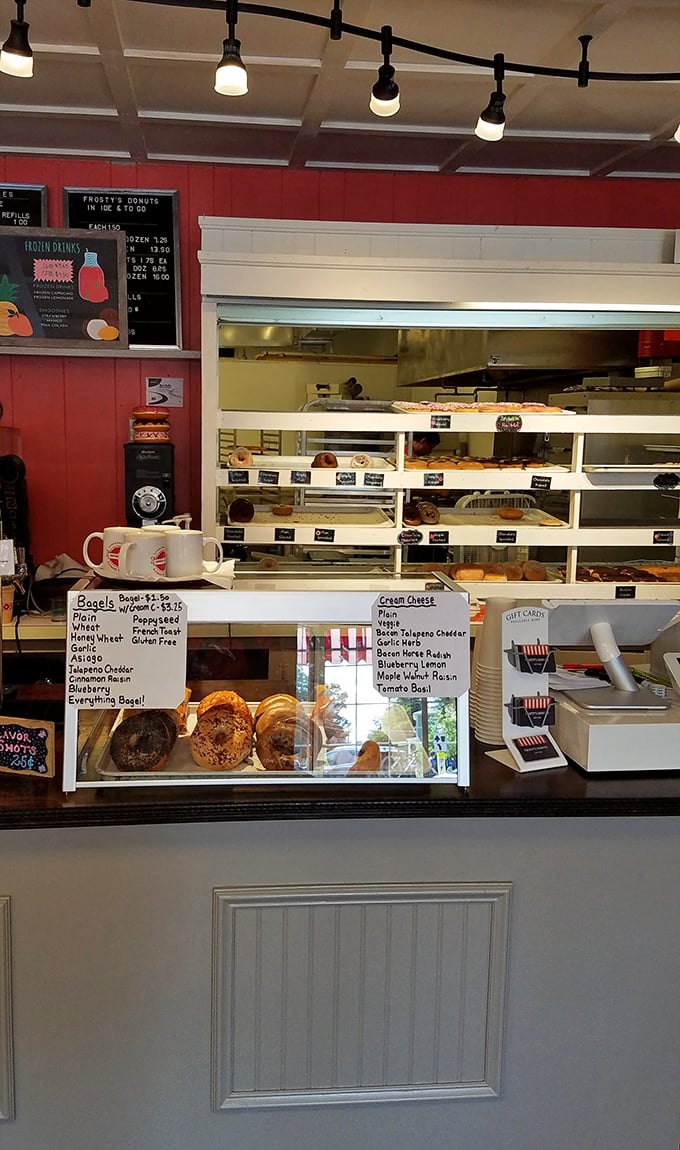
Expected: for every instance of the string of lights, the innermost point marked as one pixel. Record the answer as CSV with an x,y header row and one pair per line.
x,y
231,77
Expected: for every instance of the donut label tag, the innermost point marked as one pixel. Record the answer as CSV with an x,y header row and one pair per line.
x,y
438,537
412,535
433,479
440,422
508,423
664,537
666,481
268,477
541,482
625,591
301,477
374,479
284,534
346,479
235,477
506,537
324,535
233,534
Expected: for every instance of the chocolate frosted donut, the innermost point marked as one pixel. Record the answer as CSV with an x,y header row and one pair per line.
x,y
411,515
241,511
325,459
143,741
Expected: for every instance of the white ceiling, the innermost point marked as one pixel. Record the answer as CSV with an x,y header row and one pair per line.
x,y
133,79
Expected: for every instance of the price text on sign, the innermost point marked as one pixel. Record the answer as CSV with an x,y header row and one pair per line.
x,y
421,644
26,747
126,649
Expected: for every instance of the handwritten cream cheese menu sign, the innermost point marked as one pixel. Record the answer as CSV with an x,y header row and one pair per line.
x,y
126,649
421,644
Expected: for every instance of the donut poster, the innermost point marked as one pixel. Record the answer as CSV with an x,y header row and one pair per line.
x,y
126,649
61,288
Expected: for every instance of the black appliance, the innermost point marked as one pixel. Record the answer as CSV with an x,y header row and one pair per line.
x,y
149,483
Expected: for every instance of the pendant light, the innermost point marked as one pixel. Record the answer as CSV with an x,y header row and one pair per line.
x,y
491,122
16,56
231,78
385,92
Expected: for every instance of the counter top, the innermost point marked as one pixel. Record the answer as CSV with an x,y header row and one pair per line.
x,y
496,792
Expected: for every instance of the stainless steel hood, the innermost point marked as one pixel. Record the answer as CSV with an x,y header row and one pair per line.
x,y
443,356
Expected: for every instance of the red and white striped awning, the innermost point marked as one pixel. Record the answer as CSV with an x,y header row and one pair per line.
x,y
342,645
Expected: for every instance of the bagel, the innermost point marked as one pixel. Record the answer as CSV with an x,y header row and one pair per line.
x,y
288,742
325,459
241,511
270,700
223,735
143,741
240,457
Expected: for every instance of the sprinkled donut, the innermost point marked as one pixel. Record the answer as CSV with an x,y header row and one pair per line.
x,y
361,462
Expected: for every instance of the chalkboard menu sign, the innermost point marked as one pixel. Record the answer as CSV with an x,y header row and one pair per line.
x,y
23,205
148,220
61,288
26,747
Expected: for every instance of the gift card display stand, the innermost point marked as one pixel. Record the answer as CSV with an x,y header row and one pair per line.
x,y
528,709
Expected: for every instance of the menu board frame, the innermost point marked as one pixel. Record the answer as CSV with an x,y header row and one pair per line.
x,y
109,245
41,189
127,198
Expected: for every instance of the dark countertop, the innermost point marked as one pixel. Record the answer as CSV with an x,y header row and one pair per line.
x,y
496,792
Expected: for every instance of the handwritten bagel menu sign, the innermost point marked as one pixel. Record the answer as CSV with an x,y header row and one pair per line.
x,y
421,644
125,649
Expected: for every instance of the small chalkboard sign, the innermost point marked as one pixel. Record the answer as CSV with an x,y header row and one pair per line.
x,y
541,482
23,205
26,747
438,537
236,477
664,537
508,423
666,481
346,479
625,591
233,534
442,422
506,537
374,479
301,477
324,535
148,220
268,478
411,535
284,534
62,288
433,479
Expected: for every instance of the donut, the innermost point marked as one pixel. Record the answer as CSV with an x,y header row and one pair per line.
x,y
467,571
282,509
550,521
277,711
534,571
143,741
361,461
415,464
510,513
240,457
325,459
289,742
223,735
241,511
494,573
428,512
411,515
368,759
268,563
270,700
513,572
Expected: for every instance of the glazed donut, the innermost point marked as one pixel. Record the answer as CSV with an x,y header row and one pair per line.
x,y
325,459
415,464
288,743
368,759
467,571
143,741
282,509
513,572
429,513
268,563
223,735
361,461
411,515
510,513
241,511
240,457
494,573
534,572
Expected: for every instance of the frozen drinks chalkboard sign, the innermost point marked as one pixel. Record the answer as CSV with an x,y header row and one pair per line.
x,y
23,205
61,288
148,220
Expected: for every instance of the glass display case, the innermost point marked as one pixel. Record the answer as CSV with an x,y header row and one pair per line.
x,y
279,691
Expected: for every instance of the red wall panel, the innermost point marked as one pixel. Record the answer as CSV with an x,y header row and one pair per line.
x,y
73,412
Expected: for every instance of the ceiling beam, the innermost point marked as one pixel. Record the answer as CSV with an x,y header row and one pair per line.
x,y
105,31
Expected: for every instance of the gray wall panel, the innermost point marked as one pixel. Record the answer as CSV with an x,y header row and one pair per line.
x,y
6,1039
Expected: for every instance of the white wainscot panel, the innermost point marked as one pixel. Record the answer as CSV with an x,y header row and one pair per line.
x,y
6,1059
370,993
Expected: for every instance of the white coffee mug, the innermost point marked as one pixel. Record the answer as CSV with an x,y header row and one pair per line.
x,y
185,554
162,527
112,539
142,555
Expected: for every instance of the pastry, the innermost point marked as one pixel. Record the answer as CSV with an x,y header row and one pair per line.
x,y
223,735
241,511
268,563
510,513
282,509
361,461
240,457
429,513
270,700
494,573
470,572
550,521
513,572
415,464
325,459
411,515
368,759
143,741
534,571
288,742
